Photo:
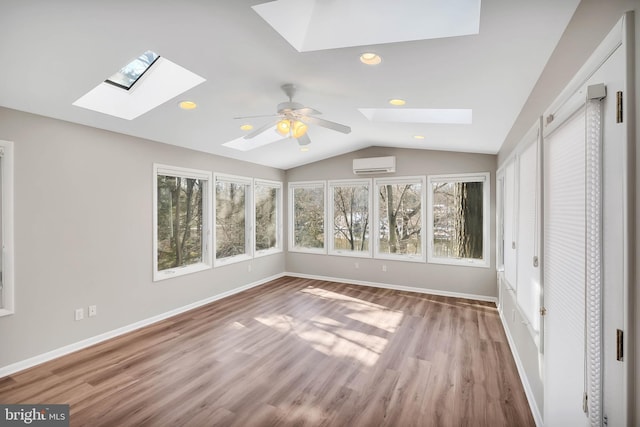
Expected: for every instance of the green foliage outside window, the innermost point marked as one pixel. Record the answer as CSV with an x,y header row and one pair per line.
x,y
179,221
230,219
308,210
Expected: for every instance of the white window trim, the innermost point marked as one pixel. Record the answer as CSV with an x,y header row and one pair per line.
x,y
485,177
306,184
330,209
249,212
159,169
376,209
500,185
6,192
279,243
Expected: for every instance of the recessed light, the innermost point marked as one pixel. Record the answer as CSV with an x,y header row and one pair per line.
x,y
370,58
418,136
246,127
187,105
397,102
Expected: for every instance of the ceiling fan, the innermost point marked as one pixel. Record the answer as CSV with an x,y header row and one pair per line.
x,y
292,120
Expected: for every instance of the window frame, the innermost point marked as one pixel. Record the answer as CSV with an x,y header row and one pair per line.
x,y
377,182
279,246
291,219
485,178
248,224
7,213
206,262
331,185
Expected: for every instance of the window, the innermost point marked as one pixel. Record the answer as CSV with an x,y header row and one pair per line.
x,y
268,199
6,228
458,219
349,215
306,213
398,203
182,218
131,73
233,219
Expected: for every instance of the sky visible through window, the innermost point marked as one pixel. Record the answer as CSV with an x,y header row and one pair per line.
x,y
130,73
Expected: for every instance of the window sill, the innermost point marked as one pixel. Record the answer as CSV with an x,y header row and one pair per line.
x,y
231,260
267,252
309,251
180,271
6,312
352,254
406,258
459,262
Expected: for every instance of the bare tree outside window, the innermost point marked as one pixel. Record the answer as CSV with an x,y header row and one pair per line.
x,y
230,219
179,210
458,219
351,218
308,217
266,203
400,219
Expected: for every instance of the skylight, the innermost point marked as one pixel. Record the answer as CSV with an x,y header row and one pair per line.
x,y
130,73
162,82
304,23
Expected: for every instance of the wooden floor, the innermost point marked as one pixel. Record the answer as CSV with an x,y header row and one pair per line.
x,y
295,352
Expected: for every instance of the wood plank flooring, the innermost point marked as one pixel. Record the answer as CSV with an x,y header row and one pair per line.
x,y
295,352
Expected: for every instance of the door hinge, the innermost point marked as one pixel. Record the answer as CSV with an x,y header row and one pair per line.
x,y
619,106
619,345
543,311
605,420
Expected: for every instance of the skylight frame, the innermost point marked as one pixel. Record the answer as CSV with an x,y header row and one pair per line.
x,y
121,86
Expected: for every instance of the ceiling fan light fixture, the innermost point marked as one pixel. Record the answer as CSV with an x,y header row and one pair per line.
x,y
283,127
370,58
298,129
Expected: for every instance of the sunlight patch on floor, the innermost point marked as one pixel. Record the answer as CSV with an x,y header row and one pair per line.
x,y
330,337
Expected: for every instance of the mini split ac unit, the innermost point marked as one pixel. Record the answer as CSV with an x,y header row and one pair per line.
x,y
373,165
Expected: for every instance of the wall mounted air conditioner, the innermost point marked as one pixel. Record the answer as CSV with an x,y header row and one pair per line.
x,y
373,165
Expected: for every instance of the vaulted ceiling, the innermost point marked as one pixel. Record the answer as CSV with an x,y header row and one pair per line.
x,y
53,52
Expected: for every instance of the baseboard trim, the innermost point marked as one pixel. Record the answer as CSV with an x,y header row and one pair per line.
x,y
67,349
535,411
396,287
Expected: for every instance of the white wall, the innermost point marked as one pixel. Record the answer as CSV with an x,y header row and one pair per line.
x,y
83,234
438,277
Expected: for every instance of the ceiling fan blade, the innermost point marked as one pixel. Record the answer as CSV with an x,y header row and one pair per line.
x,y
326,123
306,111
304,140
260,130
257,117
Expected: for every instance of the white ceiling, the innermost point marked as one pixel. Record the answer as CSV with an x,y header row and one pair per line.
x,y
53,52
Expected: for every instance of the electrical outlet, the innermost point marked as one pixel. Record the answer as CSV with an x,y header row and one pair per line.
x,y
93,310
79,313
384,267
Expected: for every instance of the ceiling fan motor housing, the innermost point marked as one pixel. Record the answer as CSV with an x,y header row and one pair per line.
x,y
288,107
